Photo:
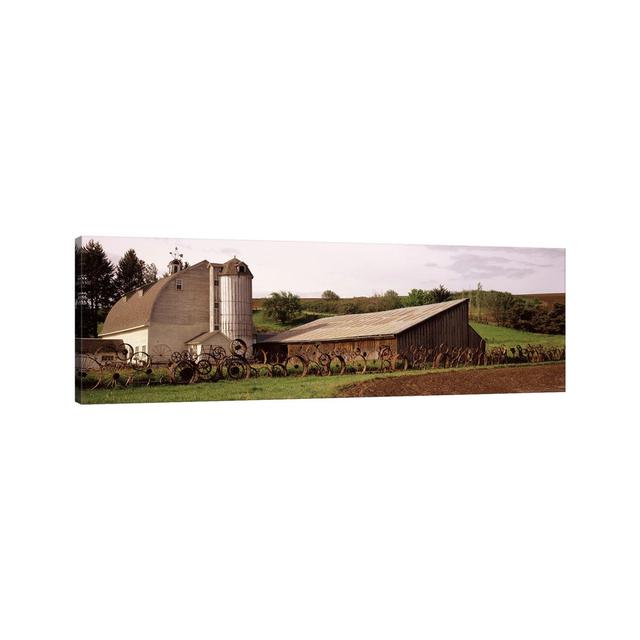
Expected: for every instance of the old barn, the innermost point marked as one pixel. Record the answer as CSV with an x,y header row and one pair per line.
x,y
425,326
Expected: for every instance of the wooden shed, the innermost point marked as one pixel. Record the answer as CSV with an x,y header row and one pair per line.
x,y
400,329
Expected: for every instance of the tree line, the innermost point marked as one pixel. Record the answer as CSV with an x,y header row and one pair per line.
x,y
285,306
494,307
99,283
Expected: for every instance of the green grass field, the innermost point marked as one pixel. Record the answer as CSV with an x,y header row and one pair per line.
x,y
263,324
501,336
289,388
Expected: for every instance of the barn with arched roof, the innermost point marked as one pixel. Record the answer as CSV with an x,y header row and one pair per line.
x,y
207,304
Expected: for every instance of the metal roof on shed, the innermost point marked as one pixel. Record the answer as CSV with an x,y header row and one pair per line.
x,y
363,325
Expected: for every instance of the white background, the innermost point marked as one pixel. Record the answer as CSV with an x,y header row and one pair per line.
x,y
456,517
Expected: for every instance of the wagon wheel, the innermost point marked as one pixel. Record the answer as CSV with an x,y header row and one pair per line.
x,y
386,364
278,370
139,377
314,368
441,361
218,353
176,357
237,368
358,363
336,366
185,372
264,371
88,372
238,347
124,352
324,359
400,362
296,365
141,360
385,352
204,367
115,375
187,355
161,353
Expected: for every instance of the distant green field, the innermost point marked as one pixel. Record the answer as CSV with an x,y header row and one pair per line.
x,y
265,325
497,336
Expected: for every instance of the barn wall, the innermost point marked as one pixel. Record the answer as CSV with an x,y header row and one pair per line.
x,y
475,339
450,327
179,315
137,338
366,346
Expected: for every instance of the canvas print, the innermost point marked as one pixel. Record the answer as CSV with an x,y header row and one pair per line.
x,y
170,320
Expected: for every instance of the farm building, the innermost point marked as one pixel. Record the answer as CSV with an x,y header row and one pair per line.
x,y
208,304
429,325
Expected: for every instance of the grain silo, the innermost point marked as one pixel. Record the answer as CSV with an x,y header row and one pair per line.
x,y
236,312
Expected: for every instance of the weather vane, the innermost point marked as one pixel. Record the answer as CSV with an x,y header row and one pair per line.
x,y
175,254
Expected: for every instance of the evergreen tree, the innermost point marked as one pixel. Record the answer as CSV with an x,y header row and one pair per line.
x,y
149,273
129,273
94,287
440,294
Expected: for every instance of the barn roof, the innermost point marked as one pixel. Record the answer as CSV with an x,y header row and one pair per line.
x,y
363,325
234,266
134,309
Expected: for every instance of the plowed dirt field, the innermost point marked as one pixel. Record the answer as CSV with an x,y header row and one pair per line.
x,y
527,379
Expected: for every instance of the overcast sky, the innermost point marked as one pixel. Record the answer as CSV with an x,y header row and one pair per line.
x,y
308,268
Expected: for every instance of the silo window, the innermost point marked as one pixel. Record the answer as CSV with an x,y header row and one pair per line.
x,y
240,268
216,327
216,305
216,282
179,285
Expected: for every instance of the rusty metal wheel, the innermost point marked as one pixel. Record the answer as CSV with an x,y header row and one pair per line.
x,y
236,368
124,352
238,347
314,368
385,352
358,364
400,362
139,377
296,366
324,359
88,372
140,360
204,367
278,370
115,375
185,372
336,366
218,353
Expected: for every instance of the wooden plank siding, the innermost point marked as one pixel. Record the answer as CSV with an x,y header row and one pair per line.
x,y
368,346
450,327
